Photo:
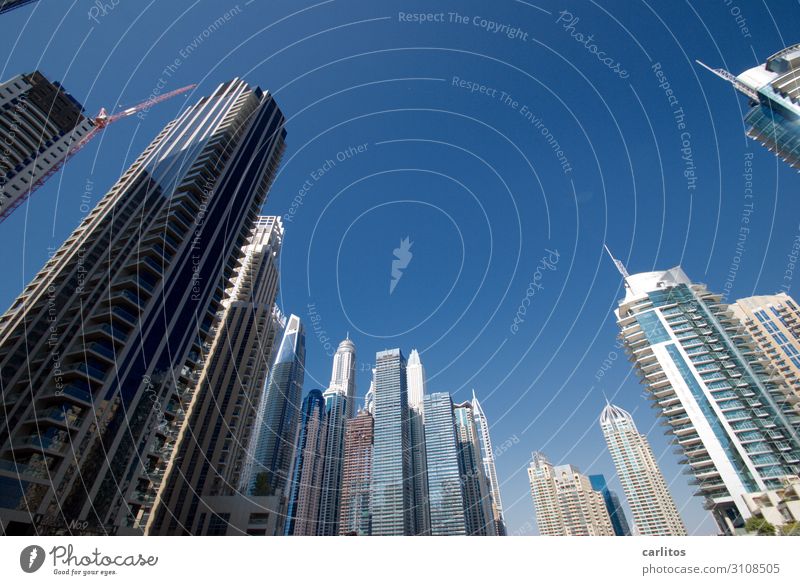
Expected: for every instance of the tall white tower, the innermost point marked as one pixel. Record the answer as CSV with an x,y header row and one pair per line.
x,y
343,375
487,455
654,510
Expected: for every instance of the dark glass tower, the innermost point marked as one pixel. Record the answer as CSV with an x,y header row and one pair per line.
x,y
618,520
302,518
113,329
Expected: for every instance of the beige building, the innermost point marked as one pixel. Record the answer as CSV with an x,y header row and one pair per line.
x,y
774,322
654,510
779,506
566,504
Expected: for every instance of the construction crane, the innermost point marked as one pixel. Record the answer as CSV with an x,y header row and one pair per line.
x,y
731,78
101,121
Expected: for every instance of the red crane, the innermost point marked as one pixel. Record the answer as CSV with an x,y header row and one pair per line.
x,y
101,120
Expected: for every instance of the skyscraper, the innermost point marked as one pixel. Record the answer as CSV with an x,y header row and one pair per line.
x,y
343,376
477,495
391,496
566,504
336,407
279,414
613,506
773,321
487,454
40,122
654,511
734,421
415,373
774,92
354,512
302,518
445,490
114,326
210,451
340,403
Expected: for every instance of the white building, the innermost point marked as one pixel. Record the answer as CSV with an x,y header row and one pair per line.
x,y
732,419
654,511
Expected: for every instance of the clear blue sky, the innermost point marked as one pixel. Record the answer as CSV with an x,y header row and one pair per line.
x,y
472,179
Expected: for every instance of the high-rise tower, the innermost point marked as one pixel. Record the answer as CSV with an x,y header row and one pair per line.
x,y
114,327
272,446
733,419
336,409
211,446
343,375
487,454
302,518
477,495
340,404
415,373
354,513
391,496
445,489
774,91
654,511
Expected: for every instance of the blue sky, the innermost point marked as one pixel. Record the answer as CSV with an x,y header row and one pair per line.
x,y
391,136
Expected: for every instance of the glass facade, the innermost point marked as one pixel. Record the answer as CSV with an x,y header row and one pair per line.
x,y
132,296
445,489
277,423
391,497
302,516
477,496
613,505
735,422
336,405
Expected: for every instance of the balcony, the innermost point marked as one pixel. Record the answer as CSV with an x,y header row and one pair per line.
x,y
59,416
106,331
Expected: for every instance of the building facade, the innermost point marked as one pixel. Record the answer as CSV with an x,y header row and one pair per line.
x,y
565,502
487,454
613,506
391,498
279,415
115,325
415,373
654,511
774,91
336,408
773,322
210,453
305,494
734,420
445,488
477,494
355,517
39,123
340,403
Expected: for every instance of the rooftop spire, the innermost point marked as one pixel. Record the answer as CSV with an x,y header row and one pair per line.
x,y
618,263
730,78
